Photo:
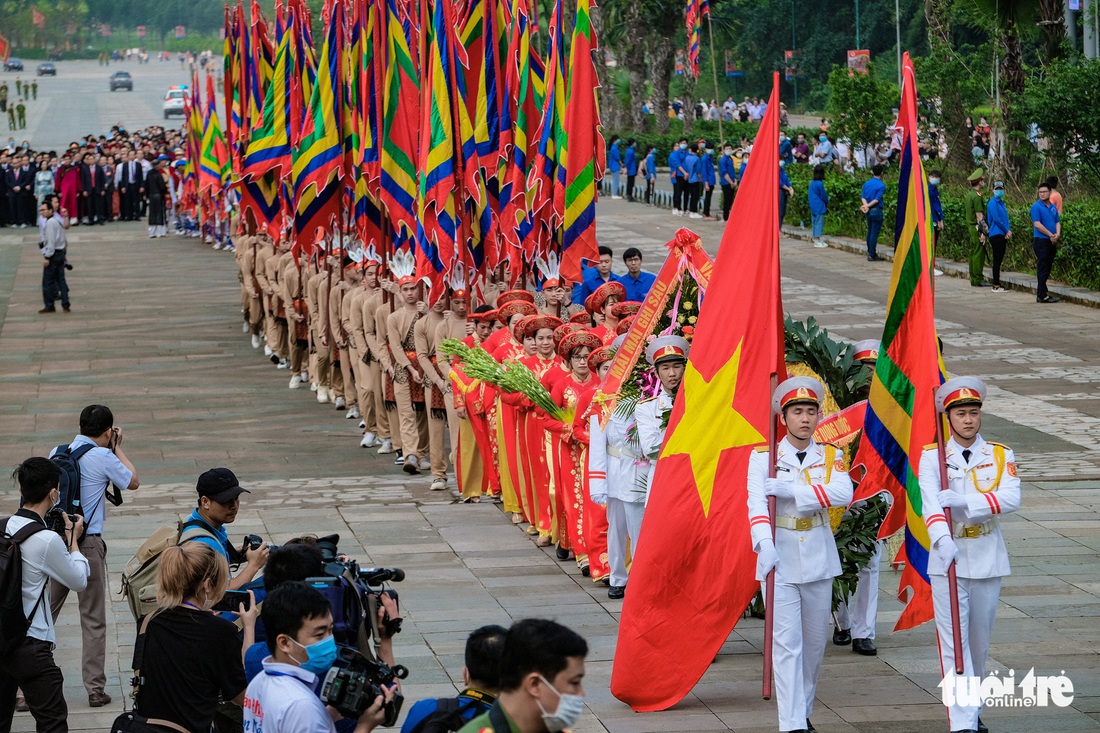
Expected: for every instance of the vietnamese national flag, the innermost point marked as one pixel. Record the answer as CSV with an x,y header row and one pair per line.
x,y
694,572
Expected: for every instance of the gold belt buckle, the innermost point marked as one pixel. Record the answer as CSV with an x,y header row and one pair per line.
x,y
972,532
803,523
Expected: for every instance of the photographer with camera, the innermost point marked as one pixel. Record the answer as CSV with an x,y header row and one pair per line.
x,y
218,504
26,660
481,677
541,674
102,463
283,699
186,656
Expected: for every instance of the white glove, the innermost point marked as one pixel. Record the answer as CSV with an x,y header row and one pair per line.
x,y
777,487
952,500
947,551
766,558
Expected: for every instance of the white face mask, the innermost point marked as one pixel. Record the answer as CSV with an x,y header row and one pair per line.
x,y
567,713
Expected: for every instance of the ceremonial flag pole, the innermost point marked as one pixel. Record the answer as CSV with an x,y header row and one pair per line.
x,y
952,579
714,68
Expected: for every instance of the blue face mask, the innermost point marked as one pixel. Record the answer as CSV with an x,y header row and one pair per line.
x,y
999,193
933,181
319,656
683,146
823,139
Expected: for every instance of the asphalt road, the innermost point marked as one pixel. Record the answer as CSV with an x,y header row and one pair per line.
x,y
78,102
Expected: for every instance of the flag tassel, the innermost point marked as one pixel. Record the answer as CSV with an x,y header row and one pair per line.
x,y
952,580
769,589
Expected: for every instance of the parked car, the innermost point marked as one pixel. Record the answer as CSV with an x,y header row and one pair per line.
x,y
174,101
46,68
13,64
122,80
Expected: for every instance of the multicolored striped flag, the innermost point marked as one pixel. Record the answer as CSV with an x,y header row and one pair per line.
x,y
694,22
269,147
214,166
901,410
401,119
584,155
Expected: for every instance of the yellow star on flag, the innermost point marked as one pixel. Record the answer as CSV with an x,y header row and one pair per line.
x,y
709,425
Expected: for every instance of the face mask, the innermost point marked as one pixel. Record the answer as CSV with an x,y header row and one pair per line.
x,y
823,139
934,181
782,164
999,193
567,714
319,656
727,152
683,146
710,151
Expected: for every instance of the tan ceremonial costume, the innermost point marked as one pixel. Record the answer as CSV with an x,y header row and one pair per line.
x,y
375,309
399,333
338,339
323,367
360,353
296,316
435,392
452,327
251,299
264,253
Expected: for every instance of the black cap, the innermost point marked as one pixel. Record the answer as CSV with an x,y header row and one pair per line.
x,y
220,485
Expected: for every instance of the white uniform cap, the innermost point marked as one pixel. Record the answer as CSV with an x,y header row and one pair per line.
x,y
795,390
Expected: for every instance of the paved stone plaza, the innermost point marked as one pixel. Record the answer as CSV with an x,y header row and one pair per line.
x,y
155,334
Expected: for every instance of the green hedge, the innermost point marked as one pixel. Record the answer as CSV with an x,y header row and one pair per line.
x,y
1077,263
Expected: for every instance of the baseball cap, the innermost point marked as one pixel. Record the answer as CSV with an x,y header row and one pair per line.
x,y
998,185
220,485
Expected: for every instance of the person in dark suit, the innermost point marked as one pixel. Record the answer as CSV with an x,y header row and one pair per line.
x,y
92,189
20,184
5,210
131,187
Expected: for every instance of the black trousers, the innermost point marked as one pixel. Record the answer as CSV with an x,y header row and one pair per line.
x,y
15,206
32,669
679,193
782,206
997,244
630,187
1044,258
53,281
129,204
694,190
649,190
709,192
99,212
727,201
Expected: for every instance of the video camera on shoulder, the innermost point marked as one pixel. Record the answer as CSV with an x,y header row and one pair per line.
x,y
354,682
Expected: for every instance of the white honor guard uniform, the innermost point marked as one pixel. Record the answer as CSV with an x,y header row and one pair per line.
x,y
804,554
649,413
981,485
617,474
855,619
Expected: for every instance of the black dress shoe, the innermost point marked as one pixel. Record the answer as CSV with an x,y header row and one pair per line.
x,y
876,258
562,553
586,572
866,647
842,637
616,592
981,727
810,726
1048,299
48,310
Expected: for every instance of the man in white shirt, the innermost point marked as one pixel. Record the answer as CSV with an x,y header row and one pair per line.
x,y
283,698
45,556
102,463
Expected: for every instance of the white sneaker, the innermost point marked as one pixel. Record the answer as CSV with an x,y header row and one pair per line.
x,y
352,413
616,197
693,215
369,439
440,484
313,387
386,447
323,395
411,465
821,245
217,245
937,273
676,212
998,289
244,327
362,424
295,382
341,403
267,350
255,340
282,364
305,376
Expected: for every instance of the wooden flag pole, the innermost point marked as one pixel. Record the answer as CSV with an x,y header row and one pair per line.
x,y
952,580
769,583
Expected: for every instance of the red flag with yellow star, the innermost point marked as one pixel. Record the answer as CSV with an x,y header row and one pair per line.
x,y
693,573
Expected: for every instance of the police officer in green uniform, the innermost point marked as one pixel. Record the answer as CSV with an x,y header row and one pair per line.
x,y
975,223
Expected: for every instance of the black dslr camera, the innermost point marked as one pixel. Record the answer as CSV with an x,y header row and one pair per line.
x,y
364,579
55,520
353,683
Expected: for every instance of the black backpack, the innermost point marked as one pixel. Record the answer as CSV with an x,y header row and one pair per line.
x,y
68,460
450,715
13,622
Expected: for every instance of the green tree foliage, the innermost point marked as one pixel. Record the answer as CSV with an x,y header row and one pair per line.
x,y
859,106
1062,102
